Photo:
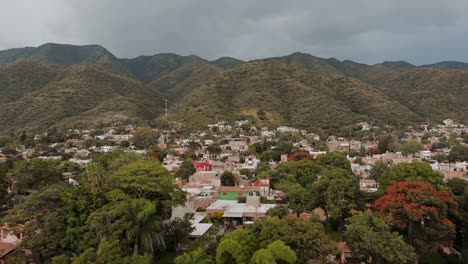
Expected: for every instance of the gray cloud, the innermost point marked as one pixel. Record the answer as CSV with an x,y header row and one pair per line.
x,y
369,31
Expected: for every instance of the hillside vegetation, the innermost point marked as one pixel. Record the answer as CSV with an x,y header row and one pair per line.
x,y
36,96
68,85
273,93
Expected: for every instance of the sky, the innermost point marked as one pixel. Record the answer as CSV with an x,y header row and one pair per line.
x,y
366,31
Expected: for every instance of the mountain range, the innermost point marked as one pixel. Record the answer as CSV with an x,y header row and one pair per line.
x,y
69,86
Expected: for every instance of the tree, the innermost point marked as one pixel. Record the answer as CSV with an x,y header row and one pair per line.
x,y
388,143
342,195
279,211
124,144
411,147
414,171
94,176
23,136
60,212
241,246
144,137
228,179
369,235
334,160
459,188
458,153
177,231
194,145
231,251
378,169
198,256
148,180
246,240
300,155
440,157
323,193
186,170
33,174
306,238
296,195
146,229
420,212
247,173
214,149
281,252
263,256
303,172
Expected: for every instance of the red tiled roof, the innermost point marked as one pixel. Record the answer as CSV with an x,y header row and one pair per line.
x,y
304,216
344,247
6,248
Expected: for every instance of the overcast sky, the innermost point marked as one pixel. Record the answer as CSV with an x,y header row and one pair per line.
x,y
368,31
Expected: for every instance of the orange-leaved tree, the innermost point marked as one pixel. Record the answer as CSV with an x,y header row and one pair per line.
x,y
420,212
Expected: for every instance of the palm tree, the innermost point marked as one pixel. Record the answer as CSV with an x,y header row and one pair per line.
x,y
146,226
94,176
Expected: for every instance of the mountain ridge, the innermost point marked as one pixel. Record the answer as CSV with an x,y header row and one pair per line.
x,y
392,91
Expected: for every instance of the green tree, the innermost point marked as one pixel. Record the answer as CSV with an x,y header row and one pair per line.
x,y
228,179
459,188
144,137
334,160
231,251
440,158
388,143
303,172
331,193
411,147
60,212
177,231
458,153
146,229
378,169
186,169
414,171
33,174
296,195
214,149
148,180
369,235
263,256
281,252
194,145
342,195
124,144
23,136
198,256
306,238
279,211
94,176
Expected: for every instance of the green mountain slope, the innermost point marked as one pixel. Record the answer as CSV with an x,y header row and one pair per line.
x,y
150,68
273,93
44,95
89,84
51,53
447,65
433,94
181,81
226,62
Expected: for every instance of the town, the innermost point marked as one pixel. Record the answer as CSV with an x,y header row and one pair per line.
x,y
234,174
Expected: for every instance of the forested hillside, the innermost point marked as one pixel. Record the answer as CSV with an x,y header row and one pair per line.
x,y
69,85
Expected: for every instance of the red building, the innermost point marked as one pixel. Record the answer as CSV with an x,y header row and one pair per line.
x,y
202,165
